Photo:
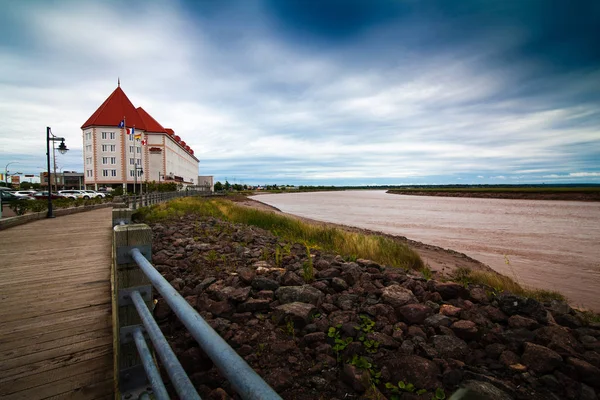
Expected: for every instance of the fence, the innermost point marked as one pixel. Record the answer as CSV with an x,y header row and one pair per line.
x,y
148,199
134,278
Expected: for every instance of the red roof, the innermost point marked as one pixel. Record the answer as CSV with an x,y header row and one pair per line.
x,y
152,125
170,131
112,111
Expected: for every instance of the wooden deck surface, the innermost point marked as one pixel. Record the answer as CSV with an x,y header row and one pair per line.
x,y
55,308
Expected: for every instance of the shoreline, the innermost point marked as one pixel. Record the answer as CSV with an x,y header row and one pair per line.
x,y
513,195
440,260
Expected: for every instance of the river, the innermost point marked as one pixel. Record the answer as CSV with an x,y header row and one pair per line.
x,y
545,244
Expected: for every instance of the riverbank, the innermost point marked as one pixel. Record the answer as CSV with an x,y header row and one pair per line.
x,y
353,328
566,194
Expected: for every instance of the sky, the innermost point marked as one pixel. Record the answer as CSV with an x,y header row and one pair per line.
x,y
330,92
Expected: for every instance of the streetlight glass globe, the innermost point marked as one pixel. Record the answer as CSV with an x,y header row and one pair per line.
x,y
62,148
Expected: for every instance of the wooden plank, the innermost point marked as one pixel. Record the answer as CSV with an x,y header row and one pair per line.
x,y
62,339
68,384
54,295
18,384
52,332
44,321
73,300
55,358
97,391
62,278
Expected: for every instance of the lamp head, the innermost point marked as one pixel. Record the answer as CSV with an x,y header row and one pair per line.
x,y
62,148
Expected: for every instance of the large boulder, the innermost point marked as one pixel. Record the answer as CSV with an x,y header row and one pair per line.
x,y
587,372
302,294
414,313
512,304
484,390
419,371
450,347
300,314
540,359
449,290
262,283
397,296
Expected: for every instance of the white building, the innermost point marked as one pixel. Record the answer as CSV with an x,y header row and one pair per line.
x,y
110,154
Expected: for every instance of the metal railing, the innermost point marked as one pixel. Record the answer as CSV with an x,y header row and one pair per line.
x,y
148,199
133,258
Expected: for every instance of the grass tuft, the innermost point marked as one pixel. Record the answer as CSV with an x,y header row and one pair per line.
x,y
373,247
500,283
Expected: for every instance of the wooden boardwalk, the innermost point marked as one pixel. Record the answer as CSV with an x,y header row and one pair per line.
x,y
55,308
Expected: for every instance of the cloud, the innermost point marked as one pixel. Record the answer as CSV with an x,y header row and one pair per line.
x,y
266,94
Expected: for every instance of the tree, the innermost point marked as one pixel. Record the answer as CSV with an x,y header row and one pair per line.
x,y
227,185
218,186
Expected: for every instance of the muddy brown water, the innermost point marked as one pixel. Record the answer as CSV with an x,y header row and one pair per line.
x,y
540,243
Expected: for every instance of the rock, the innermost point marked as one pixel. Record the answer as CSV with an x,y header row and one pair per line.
x,y
479,295
300,313
484,390
592,357
328,273
384,340
240,294
511,305
315,337
246,275
449,290
449,310
416,331
265,295
358,379
414,313
494,350
218,394
587,393
569,321
509,358
302,294
290,278
540,359
346,301
558,339
587,372
419,371
397,296
339,285
253,305
262,283
218,307
494,314
450,347
279,379
162,311
557,308
437,320
194,359
517,321
515,338
465,329
206,283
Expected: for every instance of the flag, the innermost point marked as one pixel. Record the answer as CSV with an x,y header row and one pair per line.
x,y
133,130
128,131
144,142
137,136
122,123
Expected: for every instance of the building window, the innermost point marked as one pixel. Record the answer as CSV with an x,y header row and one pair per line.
x,y
88,148
105,160
131,161
130,137
113,172
104,172
108,135
104,135
131,173
88,160
131,149
104,147
112,135
89,173
113,160
138,161
109,147
113,148
138,150
88,136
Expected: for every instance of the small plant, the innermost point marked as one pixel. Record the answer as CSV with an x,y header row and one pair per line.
x,y
289,328
351,258
278,256
366,326
261,349
287,249
362,363
427,273
264,254
339,343
439,394
308,272
211,258
371,346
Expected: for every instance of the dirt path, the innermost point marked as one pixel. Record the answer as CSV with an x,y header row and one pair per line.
x,y
441,261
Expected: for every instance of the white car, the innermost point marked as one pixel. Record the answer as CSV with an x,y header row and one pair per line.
x,y
75,194
93,193
24,193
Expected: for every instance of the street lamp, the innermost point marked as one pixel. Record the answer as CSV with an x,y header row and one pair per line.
x,y
6,171
62,148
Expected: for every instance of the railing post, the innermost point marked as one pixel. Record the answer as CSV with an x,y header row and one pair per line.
x,y
129,374
121,215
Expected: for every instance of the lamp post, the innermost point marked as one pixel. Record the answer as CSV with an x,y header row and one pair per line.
x,y
62,148
6,171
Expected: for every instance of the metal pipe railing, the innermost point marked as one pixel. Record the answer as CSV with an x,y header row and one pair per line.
x,y
246,382
160,392
184,387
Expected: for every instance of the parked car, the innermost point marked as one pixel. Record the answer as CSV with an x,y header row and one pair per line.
x,y
93,193
8,196
44,196
24,193
75,194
